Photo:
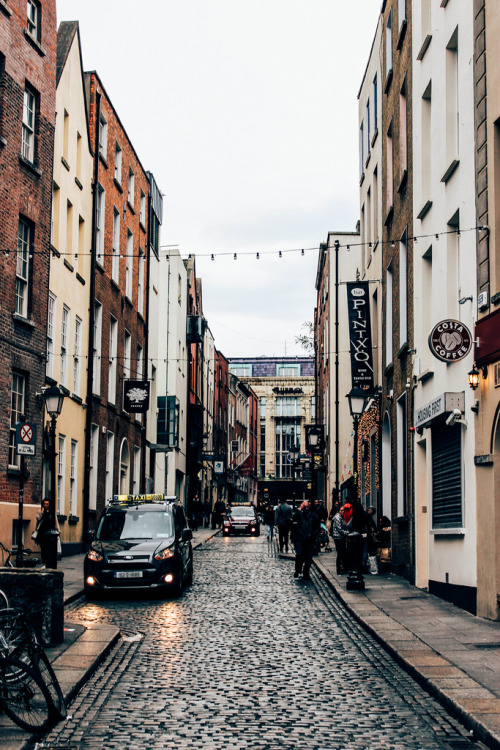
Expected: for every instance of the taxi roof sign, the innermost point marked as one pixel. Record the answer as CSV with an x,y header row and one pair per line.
x,y
138,499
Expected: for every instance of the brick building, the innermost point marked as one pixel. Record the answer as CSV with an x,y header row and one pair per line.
x,y
117,341
397,278
27,119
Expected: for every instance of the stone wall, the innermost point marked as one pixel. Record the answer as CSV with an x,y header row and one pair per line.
x,y
39,594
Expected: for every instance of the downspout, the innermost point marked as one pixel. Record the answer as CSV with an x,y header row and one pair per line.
x,y
90,350
337,420
146,343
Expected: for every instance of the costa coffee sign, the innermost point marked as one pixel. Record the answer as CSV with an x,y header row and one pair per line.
x,y
450,340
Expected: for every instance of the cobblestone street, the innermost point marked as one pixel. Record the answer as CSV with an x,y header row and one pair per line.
x,y
248,658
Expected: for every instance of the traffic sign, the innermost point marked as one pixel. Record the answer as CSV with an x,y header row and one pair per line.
x,y
25,438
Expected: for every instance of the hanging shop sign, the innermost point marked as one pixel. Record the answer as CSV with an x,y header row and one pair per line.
x,y
450,340
136,396
360,334
443,404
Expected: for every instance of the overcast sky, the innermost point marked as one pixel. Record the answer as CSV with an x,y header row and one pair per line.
x,y
246,113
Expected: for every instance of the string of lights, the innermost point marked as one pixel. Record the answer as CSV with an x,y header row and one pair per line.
x,y
239,253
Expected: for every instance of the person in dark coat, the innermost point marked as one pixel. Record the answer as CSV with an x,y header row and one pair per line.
x,y
269,521
307,530
283,520
340,531
45,523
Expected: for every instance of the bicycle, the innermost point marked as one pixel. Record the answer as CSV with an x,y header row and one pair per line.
x,y
18,640
23,695
9,557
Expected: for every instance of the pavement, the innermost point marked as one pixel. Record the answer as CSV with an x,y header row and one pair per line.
x,y
451,653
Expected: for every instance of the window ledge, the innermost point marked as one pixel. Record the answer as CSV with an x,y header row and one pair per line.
x,y
425,375
76,398
388,81
375,136
424,47
3,141
64,389
103,159
24,321
390,214
361,179
403,349
61,517
29,165
117,185
79,184
130,206
65,164
403,181
424,210
450,171
389,368
80,279
368,159
448,532
375,245
36,44
495,299
68,265
5,8
142,225
73,519
402,34
55,252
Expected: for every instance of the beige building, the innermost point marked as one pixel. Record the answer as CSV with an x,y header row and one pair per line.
x,y
68,306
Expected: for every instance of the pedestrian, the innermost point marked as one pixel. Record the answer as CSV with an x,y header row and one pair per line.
x,y
283,520
206,508
269,521
370,547
45,525
340,531
308,527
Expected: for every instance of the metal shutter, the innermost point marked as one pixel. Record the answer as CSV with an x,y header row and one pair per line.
x,y
446,476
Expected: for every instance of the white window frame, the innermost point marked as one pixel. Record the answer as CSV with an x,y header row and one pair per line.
x,y
388,46
23,267
110,459
142,210
97,347
136,482
77,353
118,163
51,333
100,220
131,187
33,19
17,400
73,479
29,126
129,265
61,473
65,330
103,136
127,354
389,306
93,466
115,263
140,282
113,354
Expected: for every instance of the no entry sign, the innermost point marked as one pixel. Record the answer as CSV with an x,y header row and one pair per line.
x,y
25,438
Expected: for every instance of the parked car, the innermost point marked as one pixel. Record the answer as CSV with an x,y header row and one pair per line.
x,y
241,519
141,541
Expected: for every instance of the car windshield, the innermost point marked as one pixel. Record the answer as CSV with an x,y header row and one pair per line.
x,y
135,524
243,512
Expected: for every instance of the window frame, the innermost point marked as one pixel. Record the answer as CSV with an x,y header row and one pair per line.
x,y
24,267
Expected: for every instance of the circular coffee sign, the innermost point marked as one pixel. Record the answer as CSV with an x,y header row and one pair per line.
x,y
450,340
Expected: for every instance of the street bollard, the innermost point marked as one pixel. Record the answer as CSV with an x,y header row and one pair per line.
x,y
354,553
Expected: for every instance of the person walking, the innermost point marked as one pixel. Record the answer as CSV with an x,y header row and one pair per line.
x,y
283,520
269,521
340,531
45,524
308,527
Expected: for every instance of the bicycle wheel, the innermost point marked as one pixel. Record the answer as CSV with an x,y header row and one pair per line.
x,y
43,665
23,696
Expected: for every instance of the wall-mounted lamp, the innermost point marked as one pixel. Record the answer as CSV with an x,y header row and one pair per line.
x,y
473,378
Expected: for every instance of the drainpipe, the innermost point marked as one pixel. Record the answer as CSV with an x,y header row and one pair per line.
x,y
90,350
337,420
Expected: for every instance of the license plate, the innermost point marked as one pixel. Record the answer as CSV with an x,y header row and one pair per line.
x,y
128,574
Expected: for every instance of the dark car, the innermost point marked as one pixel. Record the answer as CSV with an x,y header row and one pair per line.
x,y
241,519
140,542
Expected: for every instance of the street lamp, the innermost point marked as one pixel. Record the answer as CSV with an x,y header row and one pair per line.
x,y
314,444
54,399
358,399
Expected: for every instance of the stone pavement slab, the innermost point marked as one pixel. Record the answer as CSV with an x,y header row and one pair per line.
x,y
454,654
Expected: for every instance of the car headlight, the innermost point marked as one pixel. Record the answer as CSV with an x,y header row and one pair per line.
x,y
94,556
165,554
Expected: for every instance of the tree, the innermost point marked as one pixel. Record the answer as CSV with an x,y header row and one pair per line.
x,y
306,338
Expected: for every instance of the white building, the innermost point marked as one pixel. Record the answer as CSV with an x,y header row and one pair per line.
x,y
444,289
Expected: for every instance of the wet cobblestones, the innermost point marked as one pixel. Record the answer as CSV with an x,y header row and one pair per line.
x,y
248,659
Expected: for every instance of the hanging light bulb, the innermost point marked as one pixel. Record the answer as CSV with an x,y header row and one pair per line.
x,y
212,257
235,257
280,254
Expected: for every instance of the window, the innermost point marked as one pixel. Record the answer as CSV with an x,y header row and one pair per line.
x,y
93,465
127,355
69,229
375,103
66,137
139,363
29,122
288,371
388,316
425,22
388,46
136,484
426,160
103,136
97,347
73,475
81,239
63,375
56,198
288,406
118,164
452,114
51,332
18,395
61,461
101,199
375,205
78,156
262,407
23,267
403,132
447,477
115,263
368,128
453,265
129,264
113,351
313,408
33,19
140,283
427,298
361,151
401,14
287,436
390,169
142,211
110,457
131,187
402,431
241,371
77,356
403,290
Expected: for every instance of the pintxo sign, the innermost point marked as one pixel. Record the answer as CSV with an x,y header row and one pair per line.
x,y
450,340
360,334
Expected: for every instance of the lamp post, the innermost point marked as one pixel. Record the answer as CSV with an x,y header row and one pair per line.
x,y
358,399
54,398
314,443
293,455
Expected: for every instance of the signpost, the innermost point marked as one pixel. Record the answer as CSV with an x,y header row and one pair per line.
x,y
25,446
